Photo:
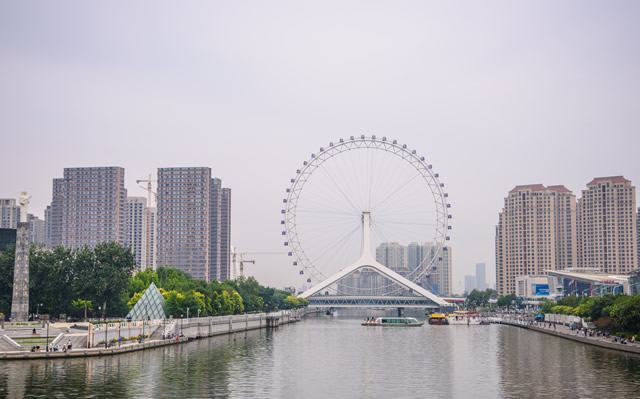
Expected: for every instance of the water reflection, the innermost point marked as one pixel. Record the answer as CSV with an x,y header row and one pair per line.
x,y
336,357
533,364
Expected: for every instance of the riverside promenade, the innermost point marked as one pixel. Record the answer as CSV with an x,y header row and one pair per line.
x,y
563,331
182,331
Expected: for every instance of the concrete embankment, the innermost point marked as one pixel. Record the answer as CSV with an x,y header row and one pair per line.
x,y
566,333
185,331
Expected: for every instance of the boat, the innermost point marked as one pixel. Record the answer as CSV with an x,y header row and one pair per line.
x,y
438,319
464,318
393,322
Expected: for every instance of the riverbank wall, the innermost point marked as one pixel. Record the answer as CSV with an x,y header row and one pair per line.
x,y
185,330
596,341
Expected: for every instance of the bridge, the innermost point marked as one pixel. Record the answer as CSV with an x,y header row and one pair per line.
x,y
408,294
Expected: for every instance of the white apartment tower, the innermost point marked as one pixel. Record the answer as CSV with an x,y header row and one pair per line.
x,y
393,256
9,213
607,226
150,246
137,229
535,233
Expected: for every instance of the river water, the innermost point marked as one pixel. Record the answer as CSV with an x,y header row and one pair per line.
x,y
328,357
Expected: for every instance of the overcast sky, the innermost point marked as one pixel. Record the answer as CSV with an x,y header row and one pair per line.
x,y
495,94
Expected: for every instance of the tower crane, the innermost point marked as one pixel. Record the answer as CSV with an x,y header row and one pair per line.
x,y
238,259
148,189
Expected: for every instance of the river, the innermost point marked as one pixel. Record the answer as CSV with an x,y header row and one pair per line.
x,y
329,357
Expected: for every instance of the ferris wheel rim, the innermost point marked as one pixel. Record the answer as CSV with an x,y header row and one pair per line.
x,y
436,187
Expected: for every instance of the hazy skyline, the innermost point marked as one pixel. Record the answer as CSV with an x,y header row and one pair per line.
x,y
495,94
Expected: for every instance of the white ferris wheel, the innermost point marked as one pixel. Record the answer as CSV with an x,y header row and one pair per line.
x,y
359,195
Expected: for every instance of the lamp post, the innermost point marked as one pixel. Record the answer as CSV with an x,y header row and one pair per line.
x,y
104,316
38,310
47,336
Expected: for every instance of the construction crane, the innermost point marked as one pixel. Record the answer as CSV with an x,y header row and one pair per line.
x,y
238,260
148,189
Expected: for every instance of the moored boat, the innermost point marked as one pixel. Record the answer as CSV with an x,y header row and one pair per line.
x,y
465,318
437,319
393,322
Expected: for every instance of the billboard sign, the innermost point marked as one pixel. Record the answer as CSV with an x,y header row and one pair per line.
x,y
541,289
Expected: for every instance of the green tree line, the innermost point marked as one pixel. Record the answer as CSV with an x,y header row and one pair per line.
x,y
86,280
613,313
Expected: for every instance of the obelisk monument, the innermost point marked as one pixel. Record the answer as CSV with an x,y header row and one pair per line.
x,y
20,302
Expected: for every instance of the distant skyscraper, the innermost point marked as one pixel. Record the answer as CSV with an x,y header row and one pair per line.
x,y
193,223
136,238
469,283
393,256
481,276
9,213
225,235
53,215
535,233
441,272
415,255
607,235
88,207
36,230
638,236
405,260
184,220
150,246
215,238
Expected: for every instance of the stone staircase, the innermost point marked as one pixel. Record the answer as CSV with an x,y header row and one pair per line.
x,y
6,345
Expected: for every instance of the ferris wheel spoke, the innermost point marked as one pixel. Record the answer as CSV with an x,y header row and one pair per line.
x,y
396,191
335,244
324,169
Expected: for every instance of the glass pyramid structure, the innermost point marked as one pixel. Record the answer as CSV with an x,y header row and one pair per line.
x,y
150,306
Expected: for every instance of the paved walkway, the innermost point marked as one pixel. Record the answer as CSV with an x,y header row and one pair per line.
x,y
563,331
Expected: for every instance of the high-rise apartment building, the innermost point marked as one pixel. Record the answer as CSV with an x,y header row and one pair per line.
x,y
440,276
150,247
37,230
535,233
88,207
638,236
470,283
136,238
9,213
215,238
393,256
607,226
184,223
481,276
53,215
225,235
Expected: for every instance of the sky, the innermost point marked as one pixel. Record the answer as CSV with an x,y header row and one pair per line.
x,y
494,94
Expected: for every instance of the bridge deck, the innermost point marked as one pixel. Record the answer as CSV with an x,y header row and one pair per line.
x,y
371,301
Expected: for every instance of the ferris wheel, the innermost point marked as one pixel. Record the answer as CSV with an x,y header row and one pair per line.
x,y
402,197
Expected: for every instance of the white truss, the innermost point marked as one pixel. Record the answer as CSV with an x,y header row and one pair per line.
x,y
367,261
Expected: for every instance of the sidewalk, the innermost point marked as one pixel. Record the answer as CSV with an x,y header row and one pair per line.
x,y
563,331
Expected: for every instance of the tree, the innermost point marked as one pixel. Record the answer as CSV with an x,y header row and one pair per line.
x,y
103,275
134,299
625,313
82,304
6,279
477,299
507,300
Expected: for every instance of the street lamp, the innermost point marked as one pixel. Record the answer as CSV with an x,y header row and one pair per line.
x,y
38,310
104,316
